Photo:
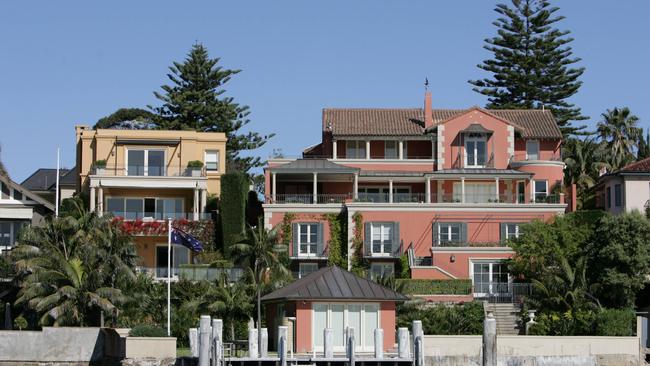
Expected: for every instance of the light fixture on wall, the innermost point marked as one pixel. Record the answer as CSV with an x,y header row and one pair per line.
x,y
452,259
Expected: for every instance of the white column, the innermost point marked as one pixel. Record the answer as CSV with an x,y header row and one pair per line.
x,y
100,200
390,191
92,199
433,151
428,189
204,199
462,190
273,187
334,149
315,187
356,186
195,211
531,188
368,150
401,150
496,188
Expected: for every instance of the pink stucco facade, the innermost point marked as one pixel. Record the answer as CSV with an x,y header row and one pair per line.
x,y
448,208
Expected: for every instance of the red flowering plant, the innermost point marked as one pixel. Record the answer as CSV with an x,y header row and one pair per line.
x,y
203,230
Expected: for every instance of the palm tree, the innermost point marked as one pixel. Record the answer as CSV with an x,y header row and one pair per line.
x,y
259,250
619,135
72,268
583,160
229,301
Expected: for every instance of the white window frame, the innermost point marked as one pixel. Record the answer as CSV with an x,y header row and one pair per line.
x,y
306,265
491,263
309,244
535,191
475,138
359,334
205,159
124,198
146,161
383,266
530,143
511,235
449,233
383,242
356,146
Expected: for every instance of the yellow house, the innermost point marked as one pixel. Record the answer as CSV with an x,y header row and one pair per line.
x,y
143,177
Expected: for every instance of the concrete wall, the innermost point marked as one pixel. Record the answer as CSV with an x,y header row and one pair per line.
x,y
52,345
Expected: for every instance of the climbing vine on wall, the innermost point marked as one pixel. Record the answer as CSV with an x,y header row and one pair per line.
x,y
285,228
337,255
358,263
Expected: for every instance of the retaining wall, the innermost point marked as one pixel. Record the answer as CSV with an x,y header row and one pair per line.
x,y
73,345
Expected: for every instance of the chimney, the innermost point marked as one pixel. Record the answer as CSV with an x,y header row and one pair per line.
x,y
428,114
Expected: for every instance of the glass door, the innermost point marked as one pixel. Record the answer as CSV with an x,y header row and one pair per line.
x,y
490,279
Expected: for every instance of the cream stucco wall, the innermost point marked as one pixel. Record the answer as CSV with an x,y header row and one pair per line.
x,y
636,193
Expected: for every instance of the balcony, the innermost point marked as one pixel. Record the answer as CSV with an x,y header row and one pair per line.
x,y
148,171
158,216
193,273
545,157
421,198
309,198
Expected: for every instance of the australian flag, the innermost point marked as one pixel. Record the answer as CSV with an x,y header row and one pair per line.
x,y
178,236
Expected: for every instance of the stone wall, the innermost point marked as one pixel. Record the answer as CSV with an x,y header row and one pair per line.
x,y
63,344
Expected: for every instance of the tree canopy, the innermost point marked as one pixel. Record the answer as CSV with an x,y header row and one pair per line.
x,y
128,118
532,64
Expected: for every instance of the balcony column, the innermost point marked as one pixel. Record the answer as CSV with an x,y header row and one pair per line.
x,y
100,201
195,211
428,190
93,203
390,191
367,149
356,186
315,188
462,190
334,149
273,187
496,188
204,199
401,150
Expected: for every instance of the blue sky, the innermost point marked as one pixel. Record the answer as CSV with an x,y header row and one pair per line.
x,y
70,62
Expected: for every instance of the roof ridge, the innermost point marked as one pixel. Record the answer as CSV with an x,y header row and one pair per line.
x,y
634,164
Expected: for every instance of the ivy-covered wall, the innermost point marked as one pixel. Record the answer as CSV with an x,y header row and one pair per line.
x,y
234,191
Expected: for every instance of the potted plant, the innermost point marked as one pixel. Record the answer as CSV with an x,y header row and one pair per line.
x,y
195,167
100,167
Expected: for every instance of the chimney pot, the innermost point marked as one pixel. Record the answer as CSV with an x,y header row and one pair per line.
x,y
428,114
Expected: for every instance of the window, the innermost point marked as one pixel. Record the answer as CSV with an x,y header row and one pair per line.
x,y
532,150
380,194
381,270
305,269
490,278
355,149
9,232
137,208
18,195
609,197
145,162
475,150
180,255
4,188
382,238
363,317
307,239
449,233
390,149
475,192
212,160
617,195
541,190
511,231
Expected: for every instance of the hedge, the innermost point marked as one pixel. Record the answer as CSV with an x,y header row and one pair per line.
x,y
234,191
147,331
434,287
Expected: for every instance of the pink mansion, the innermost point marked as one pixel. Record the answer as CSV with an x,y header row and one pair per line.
x,y
447,187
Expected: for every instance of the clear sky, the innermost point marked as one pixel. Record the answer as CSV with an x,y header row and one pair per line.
x,y
68,62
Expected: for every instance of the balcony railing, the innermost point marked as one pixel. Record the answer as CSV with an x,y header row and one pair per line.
x,y
409,198
194,273
157,216
149,171
308,198
541,156
503,292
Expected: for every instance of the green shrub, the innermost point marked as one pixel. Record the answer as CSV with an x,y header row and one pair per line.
x,y
146,330
465,319
403,270
234,191
195,164
434,287
20,323
615,323
100,164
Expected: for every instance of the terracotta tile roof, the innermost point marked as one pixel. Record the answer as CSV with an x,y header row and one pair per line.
x,y
409,121
641,166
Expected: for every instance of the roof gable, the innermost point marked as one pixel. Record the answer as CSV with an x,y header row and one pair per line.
x,y
27,193
43,179
334,283
481,110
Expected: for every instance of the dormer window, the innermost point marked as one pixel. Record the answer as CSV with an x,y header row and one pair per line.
x,y
532,150
475,150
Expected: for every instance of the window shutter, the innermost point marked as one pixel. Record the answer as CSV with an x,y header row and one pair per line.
x,y
295,236
396,239
367,240
434,235
463,233
503,232
320,246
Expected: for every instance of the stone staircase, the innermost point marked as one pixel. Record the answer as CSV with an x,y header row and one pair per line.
x,y
507,316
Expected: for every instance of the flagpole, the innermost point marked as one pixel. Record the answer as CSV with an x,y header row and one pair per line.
x,y
169,275
56,199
